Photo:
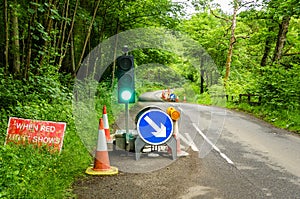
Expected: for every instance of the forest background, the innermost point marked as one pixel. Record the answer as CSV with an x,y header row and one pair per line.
x,y
256,49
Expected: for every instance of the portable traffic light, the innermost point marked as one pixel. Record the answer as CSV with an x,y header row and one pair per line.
x,y
125,74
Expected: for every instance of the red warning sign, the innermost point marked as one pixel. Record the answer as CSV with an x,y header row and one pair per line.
x,y
35,132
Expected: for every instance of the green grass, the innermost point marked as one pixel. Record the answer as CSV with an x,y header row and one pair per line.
x,y
284,118
28,172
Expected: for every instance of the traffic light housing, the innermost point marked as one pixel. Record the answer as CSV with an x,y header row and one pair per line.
x,y
125,74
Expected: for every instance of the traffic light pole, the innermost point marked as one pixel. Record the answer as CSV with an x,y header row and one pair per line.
x,y
126,104
126,118
126,88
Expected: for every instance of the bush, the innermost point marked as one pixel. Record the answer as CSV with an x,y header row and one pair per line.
x,y
279,87
28,172
280,92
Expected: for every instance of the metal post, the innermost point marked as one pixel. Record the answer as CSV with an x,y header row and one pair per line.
x,y
126,118
125,50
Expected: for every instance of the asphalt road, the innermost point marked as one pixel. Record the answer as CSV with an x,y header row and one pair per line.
x,y
231,156
241,155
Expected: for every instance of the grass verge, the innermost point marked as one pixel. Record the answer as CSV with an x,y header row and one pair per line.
x,y
284,118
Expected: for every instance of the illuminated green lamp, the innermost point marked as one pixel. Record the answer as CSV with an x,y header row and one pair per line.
x,y
126,95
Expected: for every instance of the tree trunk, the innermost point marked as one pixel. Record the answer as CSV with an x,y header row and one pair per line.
x,y
87,36
64,49
232,41
29,43
268,45
15,42
266,52
73,56
203,60
48,24
115,53
6,22
281,38
63,29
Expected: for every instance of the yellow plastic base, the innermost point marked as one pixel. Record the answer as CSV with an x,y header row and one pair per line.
x,y
111,171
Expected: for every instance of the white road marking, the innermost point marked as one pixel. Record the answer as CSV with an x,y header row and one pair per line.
x,y
226,158
188,142
191,142
181,137
180,109
214,146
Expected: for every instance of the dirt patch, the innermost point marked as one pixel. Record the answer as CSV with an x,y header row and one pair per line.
x,y
172,181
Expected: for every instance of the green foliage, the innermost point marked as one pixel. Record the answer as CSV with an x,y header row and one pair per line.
x,y
279,91
157,76
210,33
280,87
190,91
241,82
28,172
204,98
255,37
88,104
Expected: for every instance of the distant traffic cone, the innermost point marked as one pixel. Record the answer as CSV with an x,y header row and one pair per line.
x,y
184,98
163,95
168,94
101,160
177,99
106,125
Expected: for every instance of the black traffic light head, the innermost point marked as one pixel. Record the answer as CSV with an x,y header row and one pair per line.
x,y
125,74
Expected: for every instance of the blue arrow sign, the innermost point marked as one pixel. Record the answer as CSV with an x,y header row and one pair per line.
x,y
172,96
155,127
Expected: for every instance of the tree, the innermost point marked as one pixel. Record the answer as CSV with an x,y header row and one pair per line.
x,y
15,38
40,35
237,5
6,36
280,12
232,40
270,38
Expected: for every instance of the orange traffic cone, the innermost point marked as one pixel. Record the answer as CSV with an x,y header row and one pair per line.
x,y
106,125
163,95
101,160
177,98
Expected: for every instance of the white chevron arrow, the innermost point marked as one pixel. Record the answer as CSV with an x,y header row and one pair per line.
x,y
160,131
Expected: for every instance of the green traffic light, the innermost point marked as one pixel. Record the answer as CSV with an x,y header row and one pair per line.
x,y
126,95
125,75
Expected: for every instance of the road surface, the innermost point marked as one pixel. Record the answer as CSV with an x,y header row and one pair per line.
x,y
232,155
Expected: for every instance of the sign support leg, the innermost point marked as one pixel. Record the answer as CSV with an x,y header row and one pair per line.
x,y
172,143
139,144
